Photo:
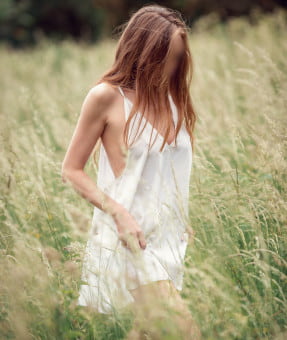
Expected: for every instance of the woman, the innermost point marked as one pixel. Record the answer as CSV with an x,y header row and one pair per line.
x,y
141,112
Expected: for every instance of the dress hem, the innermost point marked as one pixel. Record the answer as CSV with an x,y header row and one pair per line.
x,y
178,288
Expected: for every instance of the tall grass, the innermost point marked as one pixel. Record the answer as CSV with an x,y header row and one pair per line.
x,y
235,273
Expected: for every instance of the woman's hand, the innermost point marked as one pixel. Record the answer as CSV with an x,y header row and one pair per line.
x,y
129,231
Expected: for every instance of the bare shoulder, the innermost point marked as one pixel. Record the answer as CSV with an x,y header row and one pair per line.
x,y
103,94
98,103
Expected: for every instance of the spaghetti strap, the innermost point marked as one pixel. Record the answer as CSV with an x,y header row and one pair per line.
x,y
121,91
125,103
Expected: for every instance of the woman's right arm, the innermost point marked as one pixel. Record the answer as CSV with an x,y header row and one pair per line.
x,y
90,126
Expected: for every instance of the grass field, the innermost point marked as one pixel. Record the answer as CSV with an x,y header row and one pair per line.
x,y
236,269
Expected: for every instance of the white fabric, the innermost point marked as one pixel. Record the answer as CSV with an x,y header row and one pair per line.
x,y
154,187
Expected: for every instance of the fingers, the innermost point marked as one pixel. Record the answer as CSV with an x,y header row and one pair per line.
x,y
142,241
134,241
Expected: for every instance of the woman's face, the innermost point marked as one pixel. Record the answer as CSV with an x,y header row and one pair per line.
x,y
176,54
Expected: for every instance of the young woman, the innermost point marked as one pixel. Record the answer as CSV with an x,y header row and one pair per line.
x,y
141,113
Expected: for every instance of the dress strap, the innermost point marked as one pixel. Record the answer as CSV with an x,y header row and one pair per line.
x,y
125,103
121,91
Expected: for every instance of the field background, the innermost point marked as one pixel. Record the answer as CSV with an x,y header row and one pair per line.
x,y
236,269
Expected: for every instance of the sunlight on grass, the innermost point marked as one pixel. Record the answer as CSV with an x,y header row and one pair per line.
x,y
235,274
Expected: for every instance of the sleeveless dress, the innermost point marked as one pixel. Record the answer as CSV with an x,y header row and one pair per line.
x,y
154,188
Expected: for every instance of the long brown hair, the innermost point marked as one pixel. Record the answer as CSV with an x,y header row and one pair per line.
x,y
140,57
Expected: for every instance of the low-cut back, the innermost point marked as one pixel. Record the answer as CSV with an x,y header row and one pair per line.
x,y
154,188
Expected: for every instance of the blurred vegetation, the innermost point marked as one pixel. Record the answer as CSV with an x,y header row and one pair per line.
x,y
24,22
236,269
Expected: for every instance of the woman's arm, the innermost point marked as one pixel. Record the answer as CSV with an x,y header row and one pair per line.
x,y
90,126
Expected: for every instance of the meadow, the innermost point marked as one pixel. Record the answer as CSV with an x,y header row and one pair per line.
x,y
235,270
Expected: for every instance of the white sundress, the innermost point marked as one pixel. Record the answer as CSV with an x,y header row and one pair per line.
x,y
154,188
